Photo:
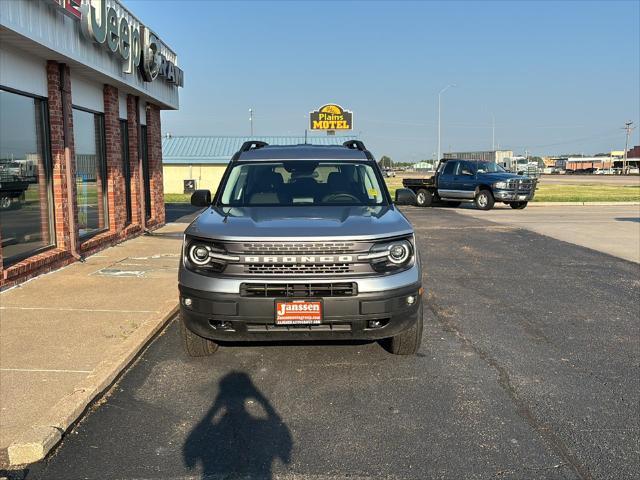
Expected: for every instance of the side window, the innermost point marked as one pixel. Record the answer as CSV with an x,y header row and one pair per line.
x,y
465,168
450,168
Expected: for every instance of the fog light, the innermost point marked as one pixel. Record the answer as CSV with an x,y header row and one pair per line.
x,y
411,299
187,302
221,325
375,324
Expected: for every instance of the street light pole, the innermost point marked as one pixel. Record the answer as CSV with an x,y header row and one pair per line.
x,y
493,132
439,103
251,120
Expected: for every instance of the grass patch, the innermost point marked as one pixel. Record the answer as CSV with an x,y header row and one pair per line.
x,y
587,193
177,198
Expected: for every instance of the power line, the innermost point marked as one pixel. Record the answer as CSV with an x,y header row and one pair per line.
x,y
628,127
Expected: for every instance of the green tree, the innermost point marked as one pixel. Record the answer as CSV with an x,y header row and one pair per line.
x,y
385,162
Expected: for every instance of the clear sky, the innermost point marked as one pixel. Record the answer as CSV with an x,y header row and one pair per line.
x,y
559,77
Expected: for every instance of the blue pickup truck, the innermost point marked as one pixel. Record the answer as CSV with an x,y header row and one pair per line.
x,y
480,182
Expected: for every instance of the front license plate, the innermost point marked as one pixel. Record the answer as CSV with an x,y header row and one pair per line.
x,y
522,197
298,312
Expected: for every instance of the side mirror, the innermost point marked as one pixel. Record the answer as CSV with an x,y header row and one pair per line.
x,y
201,198
404,196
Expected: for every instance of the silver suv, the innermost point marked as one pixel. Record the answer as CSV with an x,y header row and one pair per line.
x,y
300,243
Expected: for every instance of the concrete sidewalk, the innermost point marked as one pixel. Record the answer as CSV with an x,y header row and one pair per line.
x,y
65,336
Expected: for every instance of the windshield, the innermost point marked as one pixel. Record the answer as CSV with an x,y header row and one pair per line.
x,y
489,167
302,183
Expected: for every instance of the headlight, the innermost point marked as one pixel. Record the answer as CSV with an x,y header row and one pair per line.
x,y
207,256
500,185
199,254
390,256
399,252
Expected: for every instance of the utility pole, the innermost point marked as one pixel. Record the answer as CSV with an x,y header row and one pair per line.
x,y
628,126
439,101
251,120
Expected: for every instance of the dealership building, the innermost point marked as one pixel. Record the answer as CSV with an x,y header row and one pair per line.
x,y
82,85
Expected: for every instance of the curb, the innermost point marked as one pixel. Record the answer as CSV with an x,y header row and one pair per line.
x,y
585,204
33,444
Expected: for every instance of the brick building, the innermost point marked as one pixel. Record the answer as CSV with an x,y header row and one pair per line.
x,y
81,89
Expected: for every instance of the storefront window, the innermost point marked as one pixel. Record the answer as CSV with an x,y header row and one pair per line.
x,y
25,188
88,135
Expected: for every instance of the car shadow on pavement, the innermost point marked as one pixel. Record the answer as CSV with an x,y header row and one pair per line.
x,y
240,436
628,219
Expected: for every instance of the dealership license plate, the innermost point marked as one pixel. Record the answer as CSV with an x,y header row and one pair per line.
x,y
298,312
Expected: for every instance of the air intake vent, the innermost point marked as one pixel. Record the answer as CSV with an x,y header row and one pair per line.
x,y
299,290
303,269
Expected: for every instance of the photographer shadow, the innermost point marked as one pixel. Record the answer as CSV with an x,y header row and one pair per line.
x,y
241,434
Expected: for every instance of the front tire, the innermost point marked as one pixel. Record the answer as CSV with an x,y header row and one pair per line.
x,y
195,345
424,198
408,342
518,205
484,200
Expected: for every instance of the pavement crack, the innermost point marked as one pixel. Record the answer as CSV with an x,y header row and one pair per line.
x,y
444,317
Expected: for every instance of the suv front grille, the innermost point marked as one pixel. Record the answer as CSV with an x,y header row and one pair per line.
x,y
522,184
297,269
297,248
346,289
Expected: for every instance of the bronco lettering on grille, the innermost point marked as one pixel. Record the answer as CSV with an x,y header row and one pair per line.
x,y
298,259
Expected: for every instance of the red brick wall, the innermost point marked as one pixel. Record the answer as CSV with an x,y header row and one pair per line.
x,y
113,148
154,138
60,255
59,168
134,159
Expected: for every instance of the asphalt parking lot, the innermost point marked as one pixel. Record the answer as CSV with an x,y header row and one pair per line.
x,y
612,229
529,370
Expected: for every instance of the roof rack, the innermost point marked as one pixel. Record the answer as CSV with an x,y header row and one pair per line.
x,y
246,146
358,145
252,145
355,145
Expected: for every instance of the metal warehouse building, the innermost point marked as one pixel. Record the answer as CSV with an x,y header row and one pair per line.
x,y
82,85
199,162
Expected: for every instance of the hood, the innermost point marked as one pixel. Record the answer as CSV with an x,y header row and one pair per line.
x,y
292,223
497,177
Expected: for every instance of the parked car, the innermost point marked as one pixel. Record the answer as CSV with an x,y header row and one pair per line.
x,y
387,173
12,189
300,243
483,183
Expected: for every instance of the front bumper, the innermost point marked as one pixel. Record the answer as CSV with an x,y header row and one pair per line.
x,y
347,318
513,195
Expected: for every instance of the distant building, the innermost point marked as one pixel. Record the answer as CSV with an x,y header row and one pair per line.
x,y
587,163
425,166
199,161
634,153
497,156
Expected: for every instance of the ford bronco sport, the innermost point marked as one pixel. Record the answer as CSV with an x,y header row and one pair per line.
x,y
300,242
